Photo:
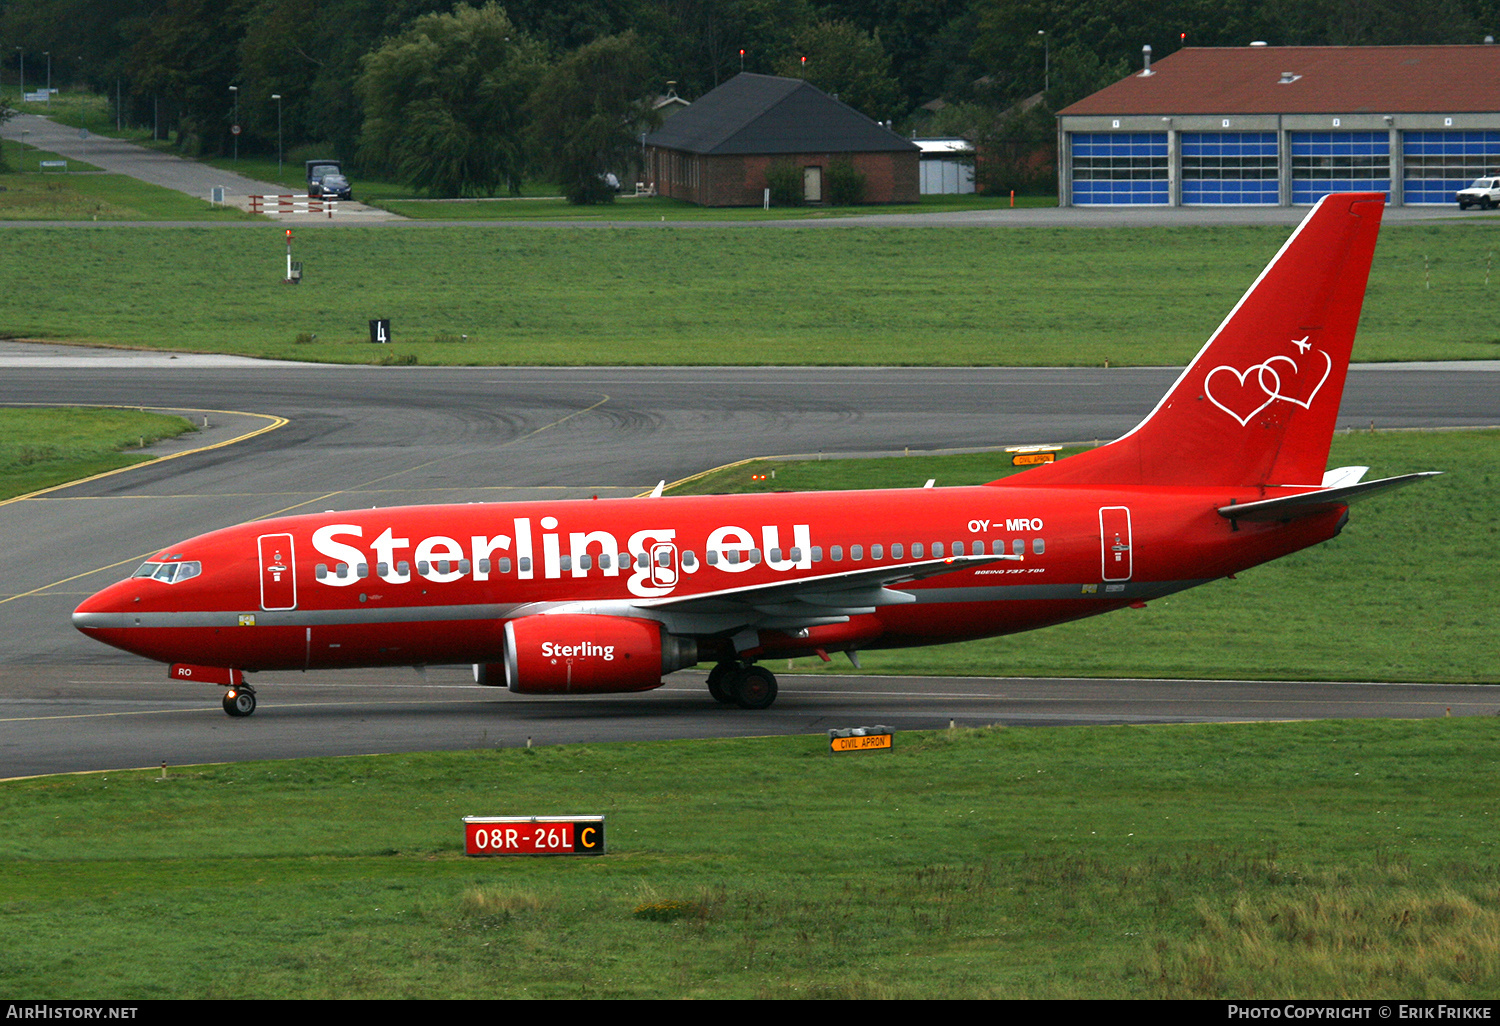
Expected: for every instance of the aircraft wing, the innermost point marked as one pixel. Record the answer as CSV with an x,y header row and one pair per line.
x,y
1290,507
807,601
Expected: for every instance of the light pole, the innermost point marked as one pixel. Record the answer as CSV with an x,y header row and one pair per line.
x,y
1046,60
234,127
23,73
277,98
48,54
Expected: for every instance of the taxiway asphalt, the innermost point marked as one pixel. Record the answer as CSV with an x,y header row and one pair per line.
x,y
344,437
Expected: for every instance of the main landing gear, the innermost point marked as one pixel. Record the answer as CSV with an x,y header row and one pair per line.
x,y
240,701
745,685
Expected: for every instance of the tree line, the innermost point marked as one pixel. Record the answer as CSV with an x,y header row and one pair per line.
x,y
469,100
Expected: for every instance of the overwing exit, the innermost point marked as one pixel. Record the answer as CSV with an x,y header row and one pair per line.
x,y
1228,471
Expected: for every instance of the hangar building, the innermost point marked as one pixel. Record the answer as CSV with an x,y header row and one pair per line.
x,y
1284,126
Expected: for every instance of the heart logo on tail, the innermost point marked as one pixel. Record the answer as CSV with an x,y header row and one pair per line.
x,y
1292,381
1239,391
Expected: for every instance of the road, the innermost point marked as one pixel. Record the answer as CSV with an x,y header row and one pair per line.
x,y
163,169
361,436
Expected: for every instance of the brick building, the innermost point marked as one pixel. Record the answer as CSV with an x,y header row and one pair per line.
x,y
716,152
1285,125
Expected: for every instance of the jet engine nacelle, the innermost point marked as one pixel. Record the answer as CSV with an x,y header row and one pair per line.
x,y
570,654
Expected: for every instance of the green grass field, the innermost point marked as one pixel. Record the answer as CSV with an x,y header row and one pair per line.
x,y
1320,860
880,296
42,447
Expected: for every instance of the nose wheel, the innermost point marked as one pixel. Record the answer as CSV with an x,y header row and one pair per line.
x,y
239,701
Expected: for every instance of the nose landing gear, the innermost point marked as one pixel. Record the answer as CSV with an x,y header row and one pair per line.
x,y
240,701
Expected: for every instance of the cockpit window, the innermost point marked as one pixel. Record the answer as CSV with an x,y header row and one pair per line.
x,y
169,573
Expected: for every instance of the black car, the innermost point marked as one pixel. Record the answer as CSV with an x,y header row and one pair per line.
x,y
332,186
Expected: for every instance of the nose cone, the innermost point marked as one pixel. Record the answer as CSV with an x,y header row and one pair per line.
x,y
109,615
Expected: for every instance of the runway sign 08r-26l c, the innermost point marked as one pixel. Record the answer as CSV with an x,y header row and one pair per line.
x,y
533,835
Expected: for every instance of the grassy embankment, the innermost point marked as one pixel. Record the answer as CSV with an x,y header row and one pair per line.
x,y
41,447
875,296
1333,859
84,193
1401,595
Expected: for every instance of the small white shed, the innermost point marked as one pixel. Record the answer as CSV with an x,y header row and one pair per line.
x,y
947,166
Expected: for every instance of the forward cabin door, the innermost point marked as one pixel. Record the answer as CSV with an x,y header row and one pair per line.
x,y
1114,539
278,576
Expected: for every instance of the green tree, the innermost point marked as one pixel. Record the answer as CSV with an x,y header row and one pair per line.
x,y
589,112
309,52
443,102
843,61
185,59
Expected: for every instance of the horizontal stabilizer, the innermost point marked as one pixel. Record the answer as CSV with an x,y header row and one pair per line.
x,y
1290,507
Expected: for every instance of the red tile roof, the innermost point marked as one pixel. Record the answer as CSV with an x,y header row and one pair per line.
x,y
1331,80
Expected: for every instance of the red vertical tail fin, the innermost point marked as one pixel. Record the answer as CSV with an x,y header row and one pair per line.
x,y
1258,403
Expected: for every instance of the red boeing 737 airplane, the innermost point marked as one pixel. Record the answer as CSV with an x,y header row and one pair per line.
x,y
585,597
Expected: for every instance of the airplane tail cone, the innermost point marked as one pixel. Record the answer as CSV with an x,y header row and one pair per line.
x,y
1258,403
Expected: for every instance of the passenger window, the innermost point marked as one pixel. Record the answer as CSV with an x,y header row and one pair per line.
x,y
688,559
836,553
321,571
795,555
877,552
958,548
363,570
754,556
341,571
403,568
896,550
565,562
422,566
713,557
484,566
856,552
382,569
997,547
776,554
525,564
1038,546
937,550
1018,547
817,553
604,561
505,564
463,567
586,562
